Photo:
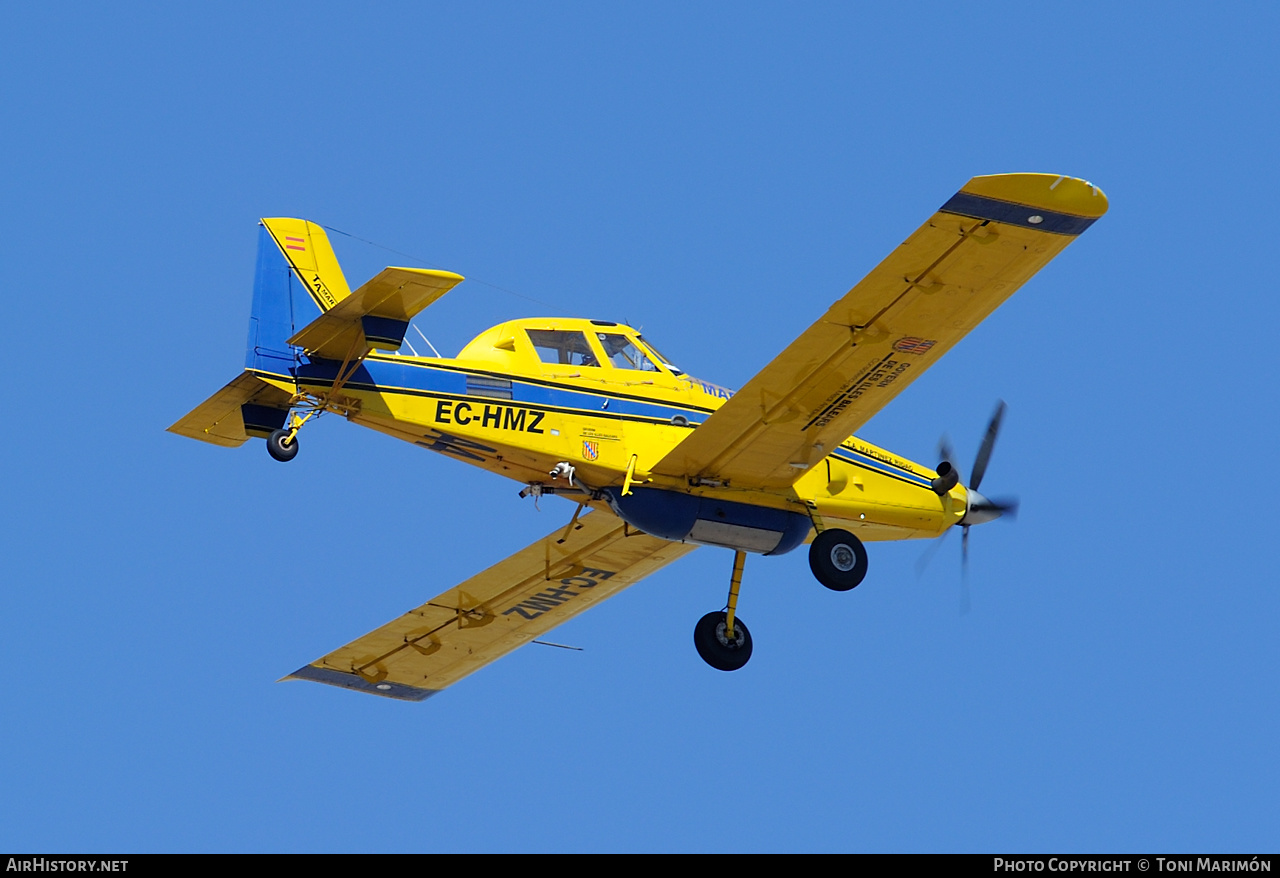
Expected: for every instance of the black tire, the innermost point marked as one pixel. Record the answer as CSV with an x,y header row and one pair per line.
x,y
717,650
838,560
282,450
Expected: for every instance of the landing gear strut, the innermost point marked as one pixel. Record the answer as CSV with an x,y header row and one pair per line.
x,y
838,559
283,444
721,638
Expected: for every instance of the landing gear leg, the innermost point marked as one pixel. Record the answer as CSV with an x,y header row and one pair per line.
x,y
721,638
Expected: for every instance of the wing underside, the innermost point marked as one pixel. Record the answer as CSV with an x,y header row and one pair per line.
x,y
940,283
494,612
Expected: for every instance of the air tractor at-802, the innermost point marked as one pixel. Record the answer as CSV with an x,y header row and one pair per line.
x,y
658,461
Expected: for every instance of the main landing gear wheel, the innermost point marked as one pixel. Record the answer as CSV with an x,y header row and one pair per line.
x,y
838,559
281,447
711,638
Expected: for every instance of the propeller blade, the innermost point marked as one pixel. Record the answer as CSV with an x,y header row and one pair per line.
x,y
964,571
988,443
945,451
1008,506
927,555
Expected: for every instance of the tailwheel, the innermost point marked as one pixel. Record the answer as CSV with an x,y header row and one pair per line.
x,y
283,445
717,648
838,559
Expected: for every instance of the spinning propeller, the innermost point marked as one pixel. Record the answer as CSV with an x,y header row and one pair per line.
x,y
981,509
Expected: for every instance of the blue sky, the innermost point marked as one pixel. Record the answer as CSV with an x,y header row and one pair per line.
x,y
717,175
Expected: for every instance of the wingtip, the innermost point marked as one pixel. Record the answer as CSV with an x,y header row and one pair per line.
x,y
1053,192
345,680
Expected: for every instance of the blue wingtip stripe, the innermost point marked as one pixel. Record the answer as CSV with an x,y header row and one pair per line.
x,y
332,677
1011,213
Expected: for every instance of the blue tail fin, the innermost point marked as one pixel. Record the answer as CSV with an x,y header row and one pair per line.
x,y
297,279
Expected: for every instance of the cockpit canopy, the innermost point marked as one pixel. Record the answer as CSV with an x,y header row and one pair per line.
x,y
573,343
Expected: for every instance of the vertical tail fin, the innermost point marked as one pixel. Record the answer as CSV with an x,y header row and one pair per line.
x,y
297,279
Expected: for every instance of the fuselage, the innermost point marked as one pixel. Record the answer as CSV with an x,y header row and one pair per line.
x,y
530,394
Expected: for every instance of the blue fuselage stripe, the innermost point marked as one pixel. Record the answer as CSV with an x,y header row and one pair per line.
x,y
857,458
423,379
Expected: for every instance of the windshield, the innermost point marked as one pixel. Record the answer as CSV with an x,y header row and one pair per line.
x,y
623,353
661,357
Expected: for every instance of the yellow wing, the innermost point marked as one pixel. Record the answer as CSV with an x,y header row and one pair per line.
x,y
970,256
492,613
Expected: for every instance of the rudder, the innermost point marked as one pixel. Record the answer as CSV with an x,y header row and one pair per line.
x,y
305,245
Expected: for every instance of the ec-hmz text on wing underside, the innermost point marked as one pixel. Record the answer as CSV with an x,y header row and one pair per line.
x,y
493,612
970,256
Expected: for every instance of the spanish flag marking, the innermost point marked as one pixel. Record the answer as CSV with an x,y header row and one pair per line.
x,y
295,244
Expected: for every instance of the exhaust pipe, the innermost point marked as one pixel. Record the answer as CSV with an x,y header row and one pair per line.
x,y
946,480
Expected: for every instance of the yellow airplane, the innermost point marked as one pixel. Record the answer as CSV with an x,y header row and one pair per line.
x,y
658,461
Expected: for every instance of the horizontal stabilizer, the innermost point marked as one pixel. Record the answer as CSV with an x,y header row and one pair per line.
x,y
376,315
248,406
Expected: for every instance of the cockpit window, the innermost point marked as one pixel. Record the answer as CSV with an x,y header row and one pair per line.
x,y
562,347
623,353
